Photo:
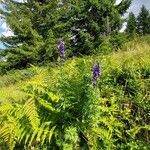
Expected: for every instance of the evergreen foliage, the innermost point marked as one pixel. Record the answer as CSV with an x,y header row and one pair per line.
x,y
143,21
32,24
37,26
131,25
93,20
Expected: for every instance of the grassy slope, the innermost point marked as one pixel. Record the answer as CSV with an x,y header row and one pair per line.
x,y
13,84
136,55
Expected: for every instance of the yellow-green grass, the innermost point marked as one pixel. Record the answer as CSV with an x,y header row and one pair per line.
x,y
11,93
15,91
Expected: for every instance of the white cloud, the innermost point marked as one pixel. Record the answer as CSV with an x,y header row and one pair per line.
x,y
123,27
4,26
7,33
118,2
21,1
5,30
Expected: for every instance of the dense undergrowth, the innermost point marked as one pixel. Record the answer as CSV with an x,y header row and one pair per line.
x,y
60,109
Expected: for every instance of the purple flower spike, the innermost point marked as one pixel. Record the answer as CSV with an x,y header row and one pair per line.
x,y
61,47
96,73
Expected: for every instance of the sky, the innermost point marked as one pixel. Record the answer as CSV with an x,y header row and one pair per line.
x,y
137,4
135,7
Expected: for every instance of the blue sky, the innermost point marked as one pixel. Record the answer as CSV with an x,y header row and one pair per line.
x,y
137,4
135,7
1,45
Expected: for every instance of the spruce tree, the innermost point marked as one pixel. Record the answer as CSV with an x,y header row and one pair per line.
x,y
94,19
143,21
131,24
38,24
32,23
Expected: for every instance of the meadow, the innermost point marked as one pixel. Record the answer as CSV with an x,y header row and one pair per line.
x,y
56,106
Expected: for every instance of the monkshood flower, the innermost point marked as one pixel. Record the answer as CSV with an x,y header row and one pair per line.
x,y
61,47
96,73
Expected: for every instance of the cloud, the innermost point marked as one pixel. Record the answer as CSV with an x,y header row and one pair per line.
x,y
123,27
4,30
117,2
7,33
21,1
4,26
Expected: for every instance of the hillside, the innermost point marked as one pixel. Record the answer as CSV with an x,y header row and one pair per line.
x,y
114,115
136,51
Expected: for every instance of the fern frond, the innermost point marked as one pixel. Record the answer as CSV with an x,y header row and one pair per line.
x,y
41,134
51,133
4,133
137,129
101,132
30,111
27,137
5,108
46,105
8,134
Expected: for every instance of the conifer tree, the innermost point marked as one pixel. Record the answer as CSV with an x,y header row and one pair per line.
x,y
32,23
131,24
38,24
94,19
143,22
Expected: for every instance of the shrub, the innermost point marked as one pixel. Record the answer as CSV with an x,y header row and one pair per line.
x,y
105,47
14,76
117,40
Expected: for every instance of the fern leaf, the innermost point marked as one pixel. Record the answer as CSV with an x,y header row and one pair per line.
x,y
46,105
136,129
31,112
51,133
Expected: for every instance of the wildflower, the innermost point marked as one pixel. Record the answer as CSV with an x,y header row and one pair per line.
x,y
61,47
96,73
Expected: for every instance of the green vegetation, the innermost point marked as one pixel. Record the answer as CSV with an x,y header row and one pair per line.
x,y
143,21
60,109
131,25
70,80
139,25
38,25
